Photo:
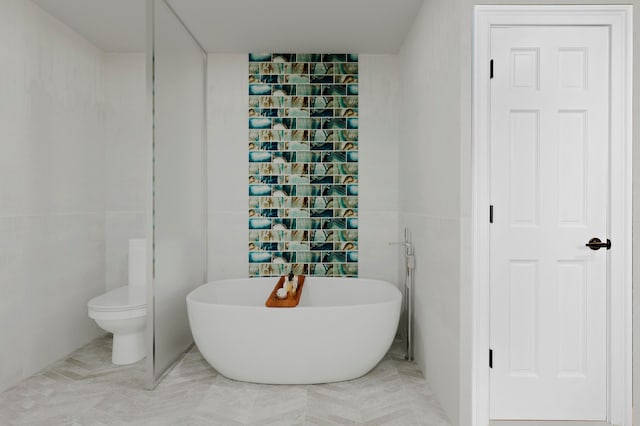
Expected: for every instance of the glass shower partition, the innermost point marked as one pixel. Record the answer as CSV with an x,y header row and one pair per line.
x,y
176,73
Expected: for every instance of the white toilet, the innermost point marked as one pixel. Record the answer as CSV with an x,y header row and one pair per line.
x,y
123,311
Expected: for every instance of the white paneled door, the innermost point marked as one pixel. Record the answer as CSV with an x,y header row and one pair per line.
x,y
549,191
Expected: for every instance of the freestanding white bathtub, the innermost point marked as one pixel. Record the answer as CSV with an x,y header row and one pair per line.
x,y
340,330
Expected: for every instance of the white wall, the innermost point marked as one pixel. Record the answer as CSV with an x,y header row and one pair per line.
x,y
429,192
379,113
228,165
51,198
126,162
72,165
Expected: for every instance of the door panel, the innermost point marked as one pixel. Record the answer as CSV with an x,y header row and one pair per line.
x,y
549,189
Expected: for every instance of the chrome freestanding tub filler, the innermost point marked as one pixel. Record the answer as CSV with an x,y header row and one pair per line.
x,y
340,330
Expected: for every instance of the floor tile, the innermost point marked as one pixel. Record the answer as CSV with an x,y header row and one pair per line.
x,y
86,389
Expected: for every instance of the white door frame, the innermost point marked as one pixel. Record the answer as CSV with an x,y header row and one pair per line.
x,y
619,20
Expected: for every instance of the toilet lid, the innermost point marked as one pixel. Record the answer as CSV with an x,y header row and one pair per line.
x,y
124,298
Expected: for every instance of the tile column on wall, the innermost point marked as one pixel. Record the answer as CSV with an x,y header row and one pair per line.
x,y
303,164
228,150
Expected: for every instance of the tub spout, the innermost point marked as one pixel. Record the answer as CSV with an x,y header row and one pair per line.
x,y
408,247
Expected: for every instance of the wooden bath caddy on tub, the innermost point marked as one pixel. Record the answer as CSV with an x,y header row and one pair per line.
x,y
288,302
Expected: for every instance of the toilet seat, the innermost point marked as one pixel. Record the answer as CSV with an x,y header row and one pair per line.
x,y
122,302
123,298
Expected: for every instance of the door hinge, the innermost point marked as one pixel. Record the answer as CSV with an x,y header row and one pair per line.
x,y
490,358
491,69
490,214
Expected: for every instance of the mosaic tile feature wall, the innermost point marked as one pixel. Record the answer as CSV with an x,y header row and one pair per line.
x,y
303,164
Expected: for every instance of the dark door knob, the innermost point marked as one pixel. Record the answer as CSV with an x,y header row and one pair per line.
x,y
596,244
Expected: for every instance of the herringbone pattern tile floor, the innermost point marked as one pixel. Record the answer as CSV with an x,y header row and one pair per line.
x,y
86,389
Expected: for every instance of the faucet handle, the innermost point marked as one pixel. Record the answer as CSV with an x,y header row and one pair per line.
x,y
399,243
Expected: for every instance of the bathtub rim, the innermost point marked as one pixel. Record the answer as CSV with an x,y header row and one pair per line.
x,y
396,296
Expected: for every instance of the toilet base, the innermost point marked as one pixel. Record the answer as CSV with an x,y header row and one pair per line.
x,y
129,335
128,348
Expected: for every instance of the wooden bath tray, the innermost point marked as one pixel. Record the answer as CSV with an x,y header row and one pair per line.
x,y
289,302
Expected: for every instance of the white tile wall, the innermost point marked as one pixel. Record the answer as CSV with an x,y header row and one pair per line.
x,y
227,251
68,153
49,94
127,135
126,162
51,197
429,186
228,150
380,101
228,154
50,266
377,259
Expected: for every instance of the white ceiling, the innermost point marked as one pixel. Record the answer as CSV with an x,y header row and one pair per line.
x,y
242,26
112,25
